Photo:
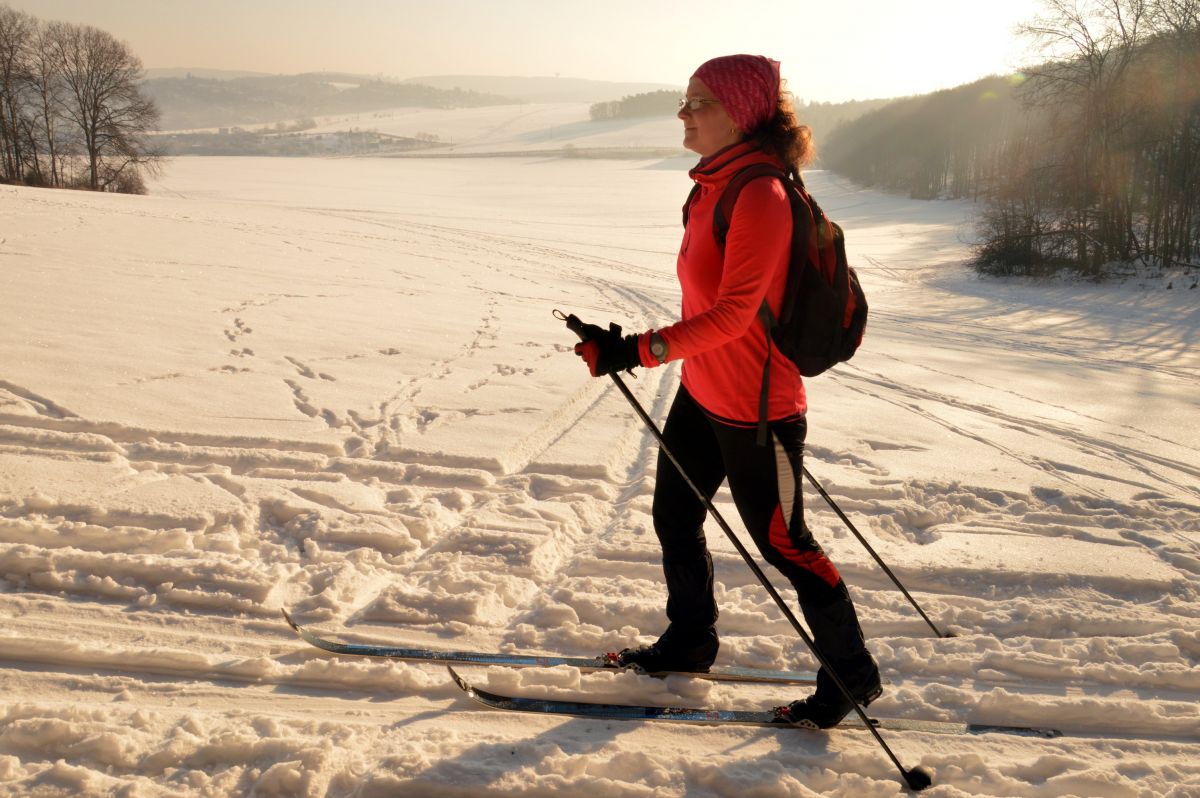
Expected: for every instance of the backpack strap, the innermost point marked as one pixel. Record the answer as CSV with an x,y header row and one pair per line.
x,y
768,321
723,213
687,204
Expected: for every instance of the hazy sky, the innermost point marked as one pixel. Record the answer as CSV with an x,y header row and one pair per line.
x,y
830,49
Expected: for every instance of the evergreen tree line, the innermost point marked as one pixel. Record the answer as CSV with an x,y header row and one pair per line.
x,y
1090,159
71,110
652,103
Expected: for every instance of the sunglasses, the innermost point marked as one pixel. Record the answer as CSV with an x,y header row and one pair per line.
x,y
694,104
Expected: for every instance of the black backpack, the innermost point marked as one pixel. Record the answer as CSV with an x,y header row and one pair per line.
x,y
824,312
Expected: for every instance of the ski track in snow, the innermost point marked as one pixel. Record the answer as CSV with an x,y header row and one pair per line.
x,y
370,417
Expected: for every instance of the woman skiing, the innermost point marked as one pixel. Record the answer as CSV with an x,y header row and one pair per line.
x,y
736,114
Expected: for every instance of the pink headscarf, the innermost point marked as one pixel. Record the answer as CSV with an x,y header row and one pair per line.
x,y
747,85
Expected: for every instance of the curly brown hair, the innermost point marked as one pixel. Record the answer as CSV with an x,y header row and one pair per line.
x,y
784,136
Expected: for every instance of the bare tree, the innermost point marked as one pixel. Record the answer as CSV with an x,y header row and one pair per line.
x,y
1172,232
1092,46
45,77
16,30
100,77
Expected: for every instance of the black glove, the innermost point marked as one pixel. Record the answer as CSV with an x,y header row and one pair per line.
x,y
607,351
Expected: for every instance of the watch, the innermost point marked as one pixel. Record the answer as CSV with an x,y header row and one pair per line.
x,y
658,348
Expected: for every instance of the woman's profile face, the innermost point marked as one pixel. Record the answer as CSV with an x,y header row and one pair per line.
x,y
708,129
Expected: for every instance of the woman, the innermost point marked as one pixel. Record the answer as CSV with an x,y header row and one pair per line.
x,y
735,114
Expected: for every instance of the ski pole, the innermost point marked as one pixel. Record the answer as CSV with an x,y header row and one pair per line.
x,y
868,547
916,778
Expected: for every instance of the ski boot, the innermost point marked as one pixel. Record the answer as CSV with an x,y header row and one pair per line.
x,y
827,706
691,653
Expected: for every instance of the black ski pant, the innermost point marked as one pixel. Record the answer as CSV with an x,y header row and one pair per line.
x,y
766,485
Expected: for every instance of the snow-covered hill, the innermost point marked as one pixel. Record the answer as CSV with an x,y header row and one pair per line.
x,y
336,386
531,128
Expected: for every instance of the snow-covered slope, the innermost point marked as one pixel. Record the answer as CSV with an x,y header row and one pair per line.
x,y
337,386
531,127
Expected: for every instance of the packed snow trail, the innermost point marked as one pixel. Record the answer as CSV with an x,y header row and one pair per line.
x,y
335,385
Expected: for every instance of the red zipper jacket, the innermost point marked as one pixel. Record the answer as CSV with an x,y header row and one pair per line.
x,y
720,338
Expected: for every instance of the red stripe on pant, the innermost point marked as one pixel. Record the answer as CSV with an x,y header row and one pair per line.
x,y
813,561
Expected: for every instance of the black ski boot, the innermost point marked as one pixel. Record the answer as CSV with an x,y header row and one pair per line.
x,y
674,651
827,706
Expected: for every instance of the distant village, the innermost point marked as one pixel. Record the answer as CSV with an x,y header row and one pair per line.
x,y
266,141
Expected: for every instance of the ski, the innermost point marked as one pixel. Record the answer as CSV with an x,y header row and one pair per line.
x,y
717,717
604,662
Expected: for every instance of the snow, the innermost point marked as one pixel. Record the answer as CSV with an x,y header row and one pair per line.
x,y
337,386
527,127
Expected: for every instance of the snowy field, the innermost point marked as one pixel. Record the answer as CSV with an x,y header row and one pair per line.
x,y
337,386
530,127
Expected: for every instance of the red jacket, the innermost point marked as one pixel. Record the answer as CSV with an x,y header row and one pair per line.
x,y
720,339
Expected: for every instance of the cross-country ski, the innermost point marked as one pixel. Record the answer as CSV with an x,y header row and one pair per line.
x,y
776,718
603,662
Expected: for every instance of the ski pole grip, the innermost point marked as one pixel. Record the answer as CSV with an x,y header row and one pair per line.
x,y
573,322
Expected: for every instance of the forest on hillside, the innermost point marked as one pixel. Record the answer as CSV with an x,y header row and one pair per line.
x,y
1088,160
193,102
823,118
